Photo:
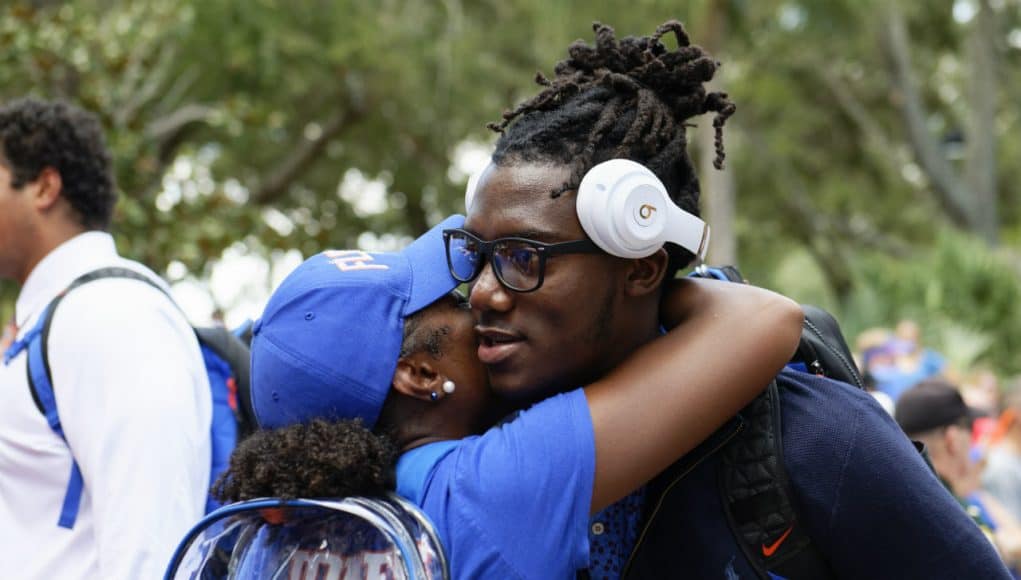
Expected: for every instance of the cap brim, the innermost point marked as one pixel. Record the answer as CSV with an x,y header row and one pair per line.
x,y
430,274
972,413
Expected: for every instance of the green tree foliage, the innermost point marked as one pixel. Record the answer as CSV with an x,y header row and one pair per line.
x,y
965,297
865,136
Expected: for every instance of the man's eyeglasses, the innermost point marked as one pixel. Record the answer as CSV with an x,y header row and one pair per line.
x,y
519,263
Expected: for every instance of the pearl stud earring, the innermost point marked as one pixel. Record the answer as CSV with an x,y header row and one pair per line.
x,y
448,387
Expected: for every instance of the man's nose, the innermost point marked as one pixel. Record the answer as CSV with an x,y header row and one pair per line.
x,y
487,293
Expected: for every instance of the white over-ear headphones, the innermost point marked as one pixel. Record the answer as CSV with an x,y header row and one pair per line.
x,y
627,212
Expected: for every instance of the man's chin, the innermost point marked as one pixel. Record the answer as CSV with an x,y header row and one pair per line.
x,y
517,389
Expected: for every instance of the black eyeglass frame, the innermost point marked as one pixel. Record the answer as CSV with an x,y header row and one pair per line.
x,y
542,249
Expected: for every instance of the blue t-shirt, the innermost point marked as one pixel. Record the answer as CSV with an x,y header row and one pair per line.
x,y
513,502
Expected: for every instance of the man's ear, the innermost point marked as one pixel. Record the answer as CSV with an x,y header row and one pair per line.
x,y
47,188
645,275
416,377
953,437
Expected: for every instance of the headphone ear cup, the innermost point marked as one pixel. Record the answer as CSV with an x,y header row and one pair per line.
x,y
624,208
627,212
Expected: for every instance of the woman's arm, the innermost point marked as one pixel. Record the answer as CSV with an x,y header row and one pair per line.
x,y
730,341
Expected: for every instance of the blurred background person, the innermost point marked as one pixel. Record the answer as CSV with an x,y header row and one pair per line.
x,y
1002,475
901,362
934,413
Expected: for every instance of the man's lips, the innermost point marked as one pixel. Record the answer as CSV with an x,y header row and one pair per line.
x,y
496,344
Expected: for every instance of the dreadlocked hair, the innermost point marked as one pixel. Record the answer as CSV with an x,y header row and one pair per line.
x,y
628,99
318,459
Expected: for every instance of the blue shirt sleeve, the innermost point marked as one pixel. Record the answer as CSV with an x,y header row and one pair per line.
x,y
515,501
866,496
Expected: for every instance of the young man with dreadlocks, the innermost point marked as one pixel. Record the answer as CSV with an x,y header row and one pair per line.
x,y
863,496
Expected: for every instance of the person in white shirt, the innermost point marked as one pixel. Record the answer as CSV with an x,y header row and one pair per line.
x,y
127,372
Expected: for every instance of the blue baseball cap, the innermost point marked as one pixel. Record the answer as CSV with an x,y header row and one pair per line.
x,y
328,341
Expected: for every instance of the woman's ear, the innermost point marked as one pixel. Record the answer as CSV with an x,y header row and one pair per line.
x,y
417,378
645,275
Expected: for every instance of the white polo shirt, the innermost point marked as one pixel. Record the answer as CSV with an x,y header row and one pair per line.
x,y
134,401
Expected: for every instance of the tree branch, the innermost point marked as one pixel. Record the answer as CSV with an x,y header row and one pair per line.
x,y
139,91
168,133
166,127
854,109
827,238
950,191
307,151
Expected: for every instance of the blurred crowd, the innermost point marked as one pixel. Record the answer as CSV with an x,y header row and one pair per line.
x,y
968,420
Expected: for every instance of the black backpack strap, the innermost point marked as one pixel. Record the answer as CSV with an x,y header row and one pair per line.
x,y
823,349
756,496
112,272
233,349
755,487
116,272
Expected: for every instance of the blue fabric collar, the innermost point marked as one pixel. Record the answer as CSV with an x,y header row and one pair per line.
x,y
415,467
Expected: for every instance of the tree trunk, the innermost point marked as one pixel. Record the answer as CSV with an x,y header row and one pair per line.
x,y
718,203
718,196
946,184
968,200
980,171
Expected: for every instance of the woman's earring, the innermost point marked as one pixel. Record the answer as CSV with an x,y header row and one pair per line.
x,y
434,396
448,387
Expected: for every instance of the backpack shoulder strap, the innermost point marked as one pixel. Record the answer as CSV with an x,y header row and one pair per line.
x,y
233,350
823,349
756,495
754,484
115,272
39,375
40,378
41,388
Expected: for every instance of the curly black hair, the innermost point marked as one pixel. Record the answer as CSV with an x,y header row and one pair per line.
x,y
317,459
629,99
37,134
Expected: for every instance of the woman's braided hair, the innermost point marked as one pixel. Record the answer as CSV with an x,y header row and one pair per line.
x,y
628,99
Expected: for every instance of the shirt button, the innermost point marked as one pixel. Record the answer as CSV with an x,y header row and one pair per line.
x,y
598,528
